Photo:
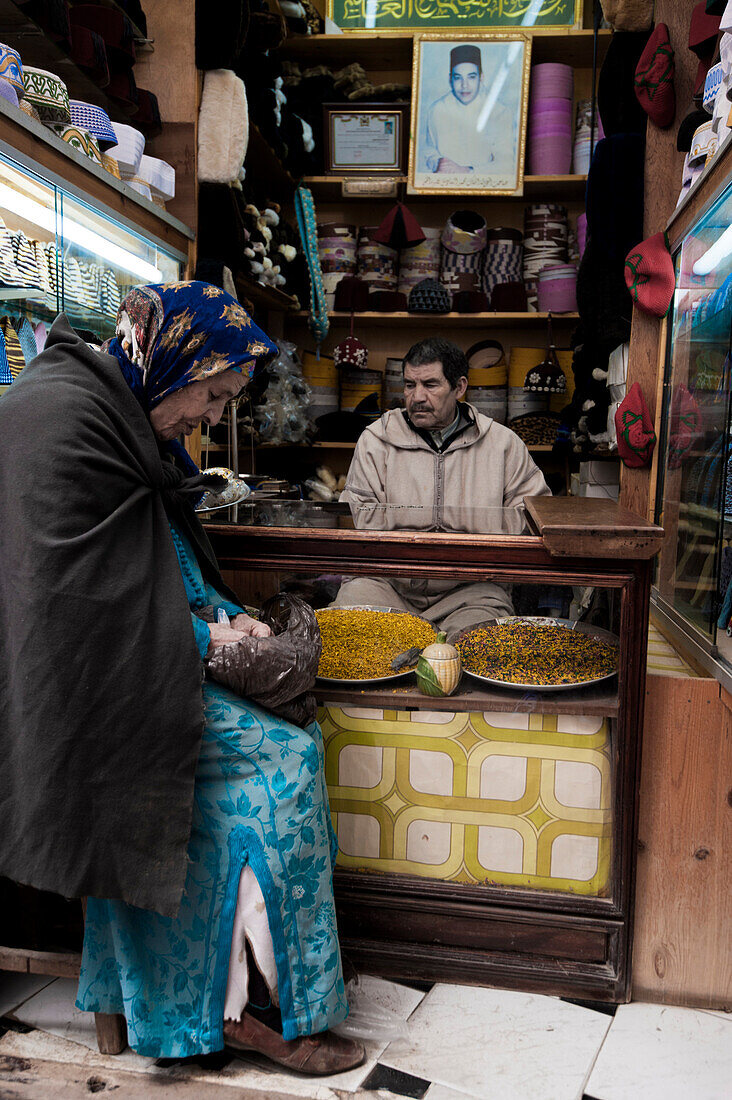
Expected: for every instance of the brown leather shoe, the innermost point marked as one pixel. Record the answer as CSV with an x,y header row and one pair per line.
x,y
319,1055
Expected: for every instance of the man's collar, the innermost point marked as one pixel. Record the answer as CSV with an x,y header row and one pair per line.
x,y
466,420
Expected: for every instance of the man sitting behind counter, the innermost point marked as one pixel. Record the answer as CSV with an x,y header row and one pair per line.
x,y
438,465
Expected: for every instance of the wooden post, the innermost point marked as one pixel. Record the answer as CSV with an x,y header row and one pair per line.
x,y
111,1033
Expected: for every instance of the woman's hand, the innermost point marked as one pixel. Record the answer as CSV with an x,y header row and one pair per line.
x,y
250,626
222,634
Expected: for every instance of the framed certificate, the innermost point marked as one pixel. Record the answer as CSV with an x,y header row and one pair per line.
x,y
363,139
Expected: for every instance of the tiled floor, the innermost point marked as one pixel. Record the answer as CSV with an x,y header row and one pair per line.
x,y
453,1043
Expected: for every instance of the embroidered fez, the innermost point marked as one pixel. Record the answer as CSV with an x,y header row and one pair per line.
x,y
636,437
654,78
351,353
650,276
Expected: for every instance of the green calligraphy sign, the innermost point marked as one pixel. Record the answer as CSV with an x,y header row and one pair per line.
x,y
434,15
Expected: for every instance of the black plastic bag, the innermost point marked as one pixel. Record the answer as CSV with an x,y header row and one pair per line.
x,y
277,673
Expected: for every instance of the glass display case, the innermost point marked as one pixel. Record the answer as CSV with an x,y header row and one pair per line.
x,y
693,590
62,253
486,835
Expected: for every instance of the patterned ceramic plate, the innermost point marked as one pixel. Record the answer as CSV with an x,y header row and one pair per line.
x,y
537,620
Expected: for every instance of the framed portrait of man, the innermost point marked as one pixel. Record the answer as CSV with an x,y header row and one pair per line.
x,y
469,103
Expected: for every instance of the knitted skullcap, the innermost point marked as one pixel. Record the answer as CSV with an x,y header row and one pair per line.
x,y
462,55
429,296
654,78
650,276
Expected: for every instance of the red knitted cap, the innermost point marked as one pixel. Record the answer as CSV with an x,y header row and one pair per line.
x,y
636,437
654,78
650,276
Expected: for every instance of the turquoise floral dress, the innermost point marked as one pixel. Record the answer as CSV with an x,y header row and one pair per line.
x,y
260,799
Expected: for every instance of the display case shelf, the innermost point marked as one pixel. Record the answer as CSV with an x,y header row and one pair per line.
x,y
601,700
569,188
394,51
33,144
464,320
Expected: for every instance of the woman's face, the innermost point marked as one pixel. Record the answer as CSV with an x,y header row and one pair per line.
x,y
180,412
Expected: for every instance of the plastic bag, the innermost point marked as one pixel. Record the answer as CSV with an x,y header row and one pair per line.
x,y
367,1018
277,672
283,416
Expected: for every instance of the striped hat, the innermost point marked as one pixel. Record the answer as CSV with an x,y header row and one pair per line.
x,y
94,119
13,351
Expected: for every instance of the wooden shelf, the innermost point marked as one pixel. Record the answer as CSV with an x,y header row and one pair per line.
x,y
261,164
33,145
464,320
570,188
37,49
601,700
394,51
269,297
142,43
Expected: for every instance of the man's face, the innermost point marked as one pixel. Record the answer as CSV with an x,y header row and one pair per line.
x,y
182,411
465,81
431,401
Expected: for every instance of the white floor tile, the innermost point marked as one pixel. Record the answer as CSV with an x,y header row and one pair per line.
x,y
506,1045
16,988
663,1053
51,1048
53,1010
442,1092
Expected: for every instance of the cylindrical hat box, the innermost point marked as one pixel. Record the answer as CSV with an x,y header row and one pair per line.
x,y
488,376
557,289
356,385
489,400
422,261
557,401
521,403
552,79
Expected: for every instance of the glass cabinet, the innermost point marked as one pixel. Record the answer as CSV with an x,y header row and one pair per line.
x,y
486,835
694,492
60,253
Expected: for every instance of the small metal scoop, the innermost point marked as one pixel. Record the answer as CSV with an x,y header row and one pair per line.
x,y
408,657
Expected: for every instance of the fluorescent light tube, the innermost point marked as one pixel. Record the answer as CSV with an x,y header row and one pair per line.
x,y
714,256
33,211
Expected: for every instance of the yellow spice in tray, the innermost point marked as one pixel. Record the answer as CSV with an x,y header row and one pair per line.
x,y
360,645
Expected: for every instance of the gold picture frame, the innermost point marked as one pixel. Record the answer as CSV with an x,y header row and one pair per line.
x,y
442,159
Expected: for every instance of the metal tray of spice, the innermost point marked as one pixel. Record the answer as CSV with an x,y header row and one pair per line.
x,y
532,658
366,644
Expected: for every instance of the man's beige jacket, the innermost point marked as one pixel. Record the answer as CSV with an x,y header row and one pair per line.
x,y
477,484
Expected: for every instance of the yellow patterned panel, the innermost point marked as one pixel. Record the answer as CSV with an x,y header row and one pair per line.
x,y
494,799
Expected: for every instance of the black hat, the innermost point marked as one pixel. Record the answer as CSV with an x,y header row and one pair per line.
x,y
466,54
687,128
429,296
615,195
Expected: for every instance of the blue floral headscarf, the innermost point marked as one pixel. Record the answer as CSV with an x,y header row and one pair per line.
x,y
171,334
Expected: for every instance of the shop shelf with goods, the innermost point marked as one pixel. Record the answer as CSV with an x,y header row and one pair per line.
x,y
442,901
388,59
156,72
